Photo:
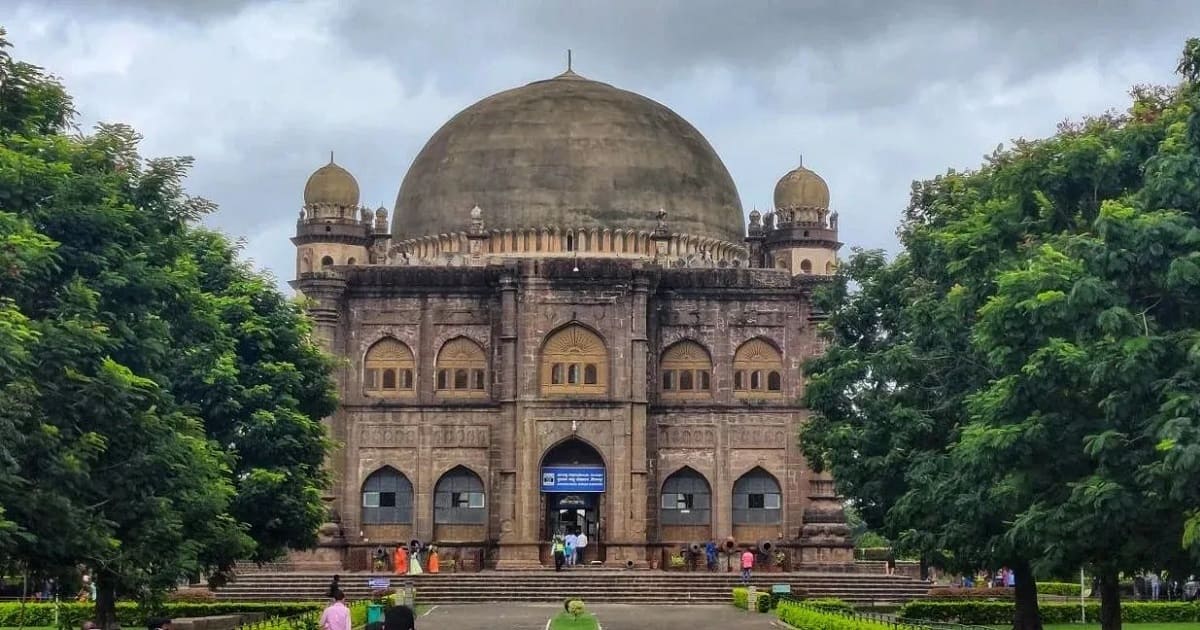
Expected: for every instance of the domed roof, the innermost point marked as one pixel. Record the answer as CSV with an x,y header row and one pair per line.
x,y
801,188
573,153
331,184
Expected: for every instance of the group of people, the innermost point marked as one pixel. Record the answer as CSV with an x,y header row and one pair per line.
x,y
407,562
336,616
568,550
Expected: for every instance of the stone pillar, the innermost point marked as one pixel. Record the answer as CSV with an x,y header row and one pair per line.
x,y
324,291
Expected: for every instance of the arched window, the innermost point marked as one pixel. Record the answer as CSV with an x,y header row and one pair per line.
x,y
459,498
686,371
757,370
756,499
461,369
387,498
351,261
574,361
326,261
829,269
806,265
388,369
686,499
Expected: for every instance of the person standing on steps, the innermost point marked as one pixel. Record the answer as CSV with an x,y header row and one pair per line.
x,y
747,565
558,548
569,547
581,543
335,587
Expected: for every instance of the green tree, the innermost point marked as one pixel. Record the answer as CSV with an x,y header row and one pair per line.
x,y
1049,302
163,400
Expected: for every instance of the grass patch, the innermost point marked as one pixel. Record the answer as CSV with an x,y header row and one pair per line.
x,y
1124,626
564,621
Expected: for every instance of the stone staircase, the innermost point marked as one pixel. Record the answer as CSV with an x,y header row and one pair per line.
x,y
591,584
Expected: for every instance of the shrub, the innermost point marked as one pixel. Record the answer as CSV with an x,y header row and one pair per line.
x,y
129,614
957,593
1058,588
191,595
575,607
829,604
761,603
878,554
802,615
999,613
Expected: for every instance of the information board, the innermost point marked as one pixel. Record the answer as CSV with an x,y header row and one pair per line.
x,y
573,479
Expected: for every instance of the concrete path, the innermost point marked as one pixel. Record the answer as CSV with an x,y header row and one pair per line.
x,y
518,616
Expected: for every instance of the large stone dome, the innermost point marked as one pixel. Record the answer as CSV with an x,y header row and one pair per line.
x,y
568,152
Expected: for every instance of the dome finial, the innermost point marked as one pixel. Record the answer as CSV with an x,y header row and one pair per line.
x,y
331,156
801,160
568,60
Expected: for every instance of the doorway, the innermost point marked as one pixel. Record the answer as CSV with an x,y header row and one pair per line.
x,y
573,482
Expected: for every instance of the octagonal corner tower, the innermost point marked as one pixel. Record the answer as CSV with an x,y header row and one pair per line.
x,y
573,154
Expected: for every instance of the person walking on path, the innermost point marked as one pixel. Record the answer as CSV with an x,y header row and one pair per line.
x,y
747,565
336,616
569,547
558,548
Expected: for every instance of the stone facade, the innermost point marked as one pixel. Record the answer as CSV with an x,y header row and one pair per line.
x,y
473,360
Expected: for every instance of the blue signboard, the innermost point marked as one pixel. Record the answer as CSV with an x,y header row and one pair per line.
x,y
573,479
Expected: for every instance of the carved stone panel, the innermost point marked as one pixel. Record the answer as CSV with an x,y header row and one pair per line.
x,y
758,437
387,318
458,437
687,436
387,436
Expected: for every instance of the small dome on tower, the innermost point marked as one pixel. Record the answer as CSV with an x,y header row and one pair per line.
x,y
801,188
331,184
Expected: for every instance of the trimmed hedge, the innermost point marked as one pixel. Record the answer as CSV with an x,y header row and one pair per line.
x,y
803,616
829,604
956,593
741,599
877,554
1066,589
998,613
129,614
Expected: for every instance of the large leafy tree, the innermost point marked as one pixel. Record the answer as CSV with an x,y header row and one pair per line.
x,y
163,400
1049,301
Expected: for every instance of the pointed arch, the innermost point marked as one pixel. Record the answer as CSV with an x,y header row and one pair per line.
x,y
574,361
686,499
757,499
389,369
685,371
387,498
459,498
461,369
757,370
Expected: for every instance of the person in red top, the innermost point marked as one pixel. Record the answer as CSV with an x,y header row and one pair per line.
x,y
747,564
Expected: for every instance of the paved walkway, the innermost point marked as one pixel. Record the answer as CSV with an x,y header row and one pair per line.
x,y
612,616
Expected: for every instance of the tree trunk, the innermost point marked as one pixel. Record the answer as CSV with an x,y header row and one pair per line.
x,y
106,600
1110,601
1026,615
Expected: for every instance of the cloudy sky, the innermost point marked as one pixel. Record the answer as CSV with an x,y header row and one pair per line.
x,y
873,94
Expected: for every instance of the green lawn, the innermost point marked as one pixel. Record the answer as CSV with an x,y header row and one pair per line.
x,y
565,621
1124,626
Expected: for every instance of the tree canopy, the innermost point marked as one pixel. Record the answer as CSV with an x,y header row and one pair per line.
x,y
160,401
1018,386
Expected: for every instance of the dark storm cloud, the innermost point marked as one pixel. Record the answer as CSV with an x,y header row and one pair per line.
x,y
873,93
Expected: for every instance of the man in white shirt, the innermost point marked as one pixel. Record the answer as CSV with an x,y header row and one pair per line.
x,y
581,541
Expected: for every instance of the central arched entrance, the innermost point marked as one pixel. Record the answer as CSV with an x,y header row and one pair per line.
x,y
573,482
